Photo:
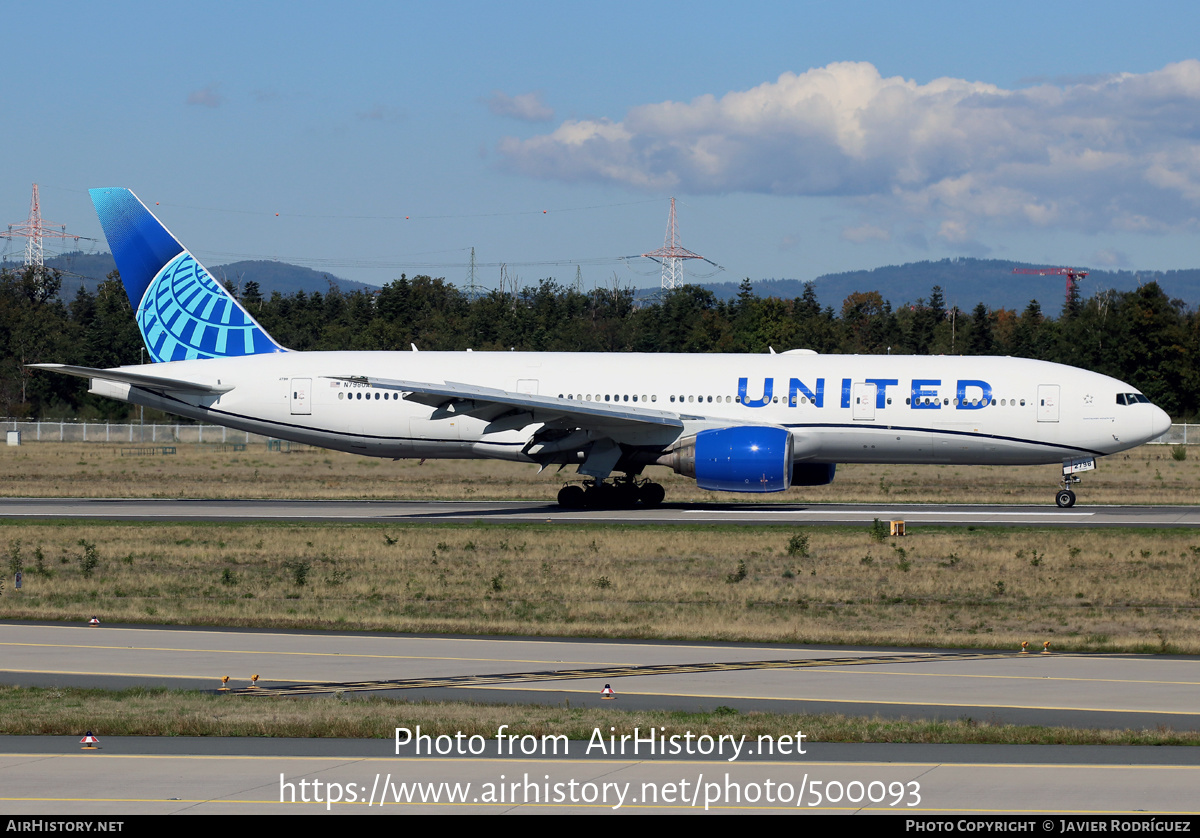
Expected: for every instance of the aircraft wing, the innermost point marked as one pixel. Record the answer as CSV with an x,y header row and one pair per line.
x,y
137,379
455,399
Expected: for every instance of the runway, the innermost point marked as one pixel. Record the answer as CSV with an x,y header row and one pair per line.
x,y
1002,685
508,512
129,775
44,776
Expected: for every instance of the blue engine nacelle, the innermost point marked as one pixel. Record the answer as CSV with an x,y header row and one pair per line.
x,y
747,458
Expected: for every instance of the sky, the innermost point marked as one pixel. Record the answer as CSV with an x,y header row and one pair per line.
x,y
374,139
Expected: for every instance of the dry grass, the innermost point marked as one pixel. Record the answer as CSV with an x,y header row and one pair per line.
x,y
1100,590
139,712
1147,475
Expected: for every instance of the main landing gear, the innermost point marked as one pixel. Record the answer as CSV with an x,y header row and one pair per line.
x,y
621,493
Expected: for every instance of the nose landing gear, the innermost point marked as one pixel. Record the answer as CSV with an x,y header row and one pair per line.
x,y
1065,498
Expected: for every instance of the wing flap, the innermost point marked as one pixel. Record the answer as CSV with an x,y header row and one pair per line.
x,y
475,400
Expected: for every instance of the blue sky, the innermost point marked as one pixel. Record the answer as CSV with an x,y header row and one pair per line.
x,y
798,138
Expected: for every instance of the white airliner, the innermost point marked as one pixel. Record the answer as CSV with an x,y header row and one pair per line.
x,y
735,423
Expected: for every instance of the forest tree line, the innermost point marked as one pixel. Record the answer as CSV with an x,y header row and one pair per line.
x,y
1141,337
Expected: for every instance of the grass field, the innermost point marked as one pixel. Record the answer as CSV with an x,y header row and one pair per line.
x,y
1098,590
70,712
1147,475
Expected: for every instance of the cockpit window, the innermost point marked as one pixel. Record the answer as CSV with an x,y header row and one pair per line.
x,y
1132,398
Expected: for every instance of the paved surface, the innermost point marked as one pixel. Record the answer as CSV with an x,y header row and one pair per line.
x,y
1081,690
51,776
528,511
44,776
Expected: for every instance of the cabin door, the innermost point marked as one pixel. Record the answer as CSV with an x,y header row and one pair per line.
x,y
301,396
862,400
1047,405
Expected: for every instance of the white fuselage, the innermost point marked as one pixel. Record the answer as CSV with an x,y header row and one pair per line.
x,y
839,408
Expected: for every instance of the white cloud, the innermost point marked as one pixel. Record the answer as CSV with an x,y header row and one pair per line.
x,y
865,233
790,241
1111,258
379,113
208,96
527,107
1119,152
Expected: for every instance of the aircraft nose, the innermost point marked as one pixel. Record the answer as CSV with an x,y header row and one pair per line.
x,y
1160,422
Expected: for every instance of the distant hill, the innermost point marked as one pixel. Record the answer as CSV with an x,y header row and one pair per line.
x,y
284,278
967,282
91,268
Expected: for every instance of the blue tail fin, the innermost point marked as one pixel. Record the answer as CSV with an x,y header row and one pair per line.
x,y
183,314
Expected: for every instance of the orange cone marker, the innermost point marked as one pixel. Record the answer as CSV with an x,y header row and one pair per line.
x,y
607,692
89,742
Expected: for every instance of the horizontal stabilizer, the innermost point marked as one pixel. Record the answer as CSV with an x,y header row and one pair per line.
x,y
137,379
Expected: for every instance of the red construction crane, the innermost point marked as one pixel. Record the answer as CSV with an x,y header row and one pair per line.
x,y
1074,276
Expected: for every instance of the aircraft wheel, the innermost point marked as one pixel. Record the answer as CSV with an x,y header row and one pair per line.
x,y
602,496
625,495
571,497
1065,499
652,494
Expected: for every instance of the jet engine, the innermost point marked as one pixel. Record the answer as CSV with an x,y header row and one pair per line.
x,y
746,458
813,474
